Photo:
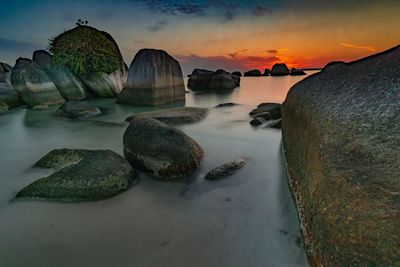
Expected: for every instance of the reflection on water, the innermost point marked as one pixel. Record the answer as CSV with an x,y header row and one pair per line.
x,y
248,219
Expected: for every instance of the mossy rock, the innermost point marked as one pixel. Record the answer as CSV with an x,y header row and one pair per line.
x,y
82,175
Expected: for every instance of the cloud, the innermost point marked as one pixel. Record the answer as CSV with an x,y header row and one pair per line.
x,y
158,26
173,7
369,48
261,11
272,51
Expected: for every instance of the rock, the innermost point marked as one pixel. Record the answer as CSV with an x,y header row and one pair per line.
x,y
33,84
340,131
228,104
257,121
237,73
266,72
200,79
77,110
297,72
280,69
9,96
5,72
274,124
222,80
155,78
94,56
3,108
69,85
252,73
83,175
175,115
226,169
160,150
274,109
236,79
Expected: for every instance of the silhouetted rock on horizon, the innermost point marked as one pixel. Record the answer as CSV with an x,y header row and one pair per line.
x,y
267,72
222,80
174,115
340,132
237,73
160,150
297,72
155,78
219,80
280,69
77,110
67,83
33,84
252,73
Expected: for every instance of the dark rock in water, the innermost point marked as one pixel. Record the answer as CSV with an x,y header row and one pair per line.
x,y
297,72
77,110
33,84
3,108
5,72
340,131
69,85
9,96
252,73
200,79
280,69
274,124
83,175
228,104
160,150
273,108
4,67
226,169
175,115
257,121
154,78
265,115
236,79
237,73
222,80
267,72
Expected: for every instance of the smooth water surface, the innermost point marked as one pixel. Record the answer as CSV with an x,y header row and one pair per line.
x,y
248,219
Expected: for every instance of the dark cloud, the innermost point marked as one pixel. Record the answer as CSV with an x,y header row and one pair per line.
x,y
173,7
158,26
272,51
17,45
260,11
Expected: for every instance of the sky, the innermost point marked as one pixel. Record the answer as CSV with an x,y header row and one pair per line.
x,y
212,34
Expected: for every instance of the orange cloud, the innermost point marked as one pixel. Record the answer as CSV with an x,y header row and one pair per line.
x,y
369,48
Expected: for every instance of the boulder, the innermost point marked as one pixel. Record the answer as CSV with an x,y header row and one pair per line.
x,y
267,72
9,96
81,175
236,79
340,130
222,80
200,79
77,110
277,124
225,170
67,83
3,108
160,150
274,109
237,73
297,72
33,84
5,72
280,69
224,105
252,73
175,115
155,78
257,121
94,56
214,81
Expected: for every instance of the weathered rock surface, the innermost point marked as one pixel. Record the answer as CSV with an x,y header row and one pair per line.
x,y
341,139
252,73
225,170
67,83
155,78
222,80
82,175
214,81
9,96
280,69
175,115
77,110
267,72
237,73
160,150
33,84
297,72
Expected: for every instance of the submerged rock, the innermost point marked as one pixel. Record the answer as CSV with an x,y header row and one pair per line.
x,y
160,150
155,78
252,73
226,169
274,109
77,110
280,69
175,115
33,84
340,131
69,85
297,72
224,105
237,73
83,175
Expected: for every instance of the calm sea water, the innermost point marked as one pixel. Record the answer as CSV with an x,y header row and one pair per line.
x,y
248,219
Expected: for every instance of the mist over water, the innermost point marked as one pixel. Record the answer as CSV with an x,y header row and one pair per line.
x,y
248,219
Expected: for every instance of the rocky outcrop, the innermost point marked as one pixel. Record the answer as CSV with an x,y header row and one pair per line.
x,y
222,80
297,72
67,83
213,81
341,139
237,73
155,78
175,115
252,73
77,110
81,175
225,170
199,79
267,72
33,84
280,69
160,150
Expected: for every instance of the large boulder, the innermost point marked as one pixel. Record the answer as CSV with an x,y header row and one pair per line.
x,y
155,78
5,72
175,115
280,69
200,79
81,175
69,85
222,80
219,80
94,56
33,84
160,150
237,73
9,96
252,73
341,140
